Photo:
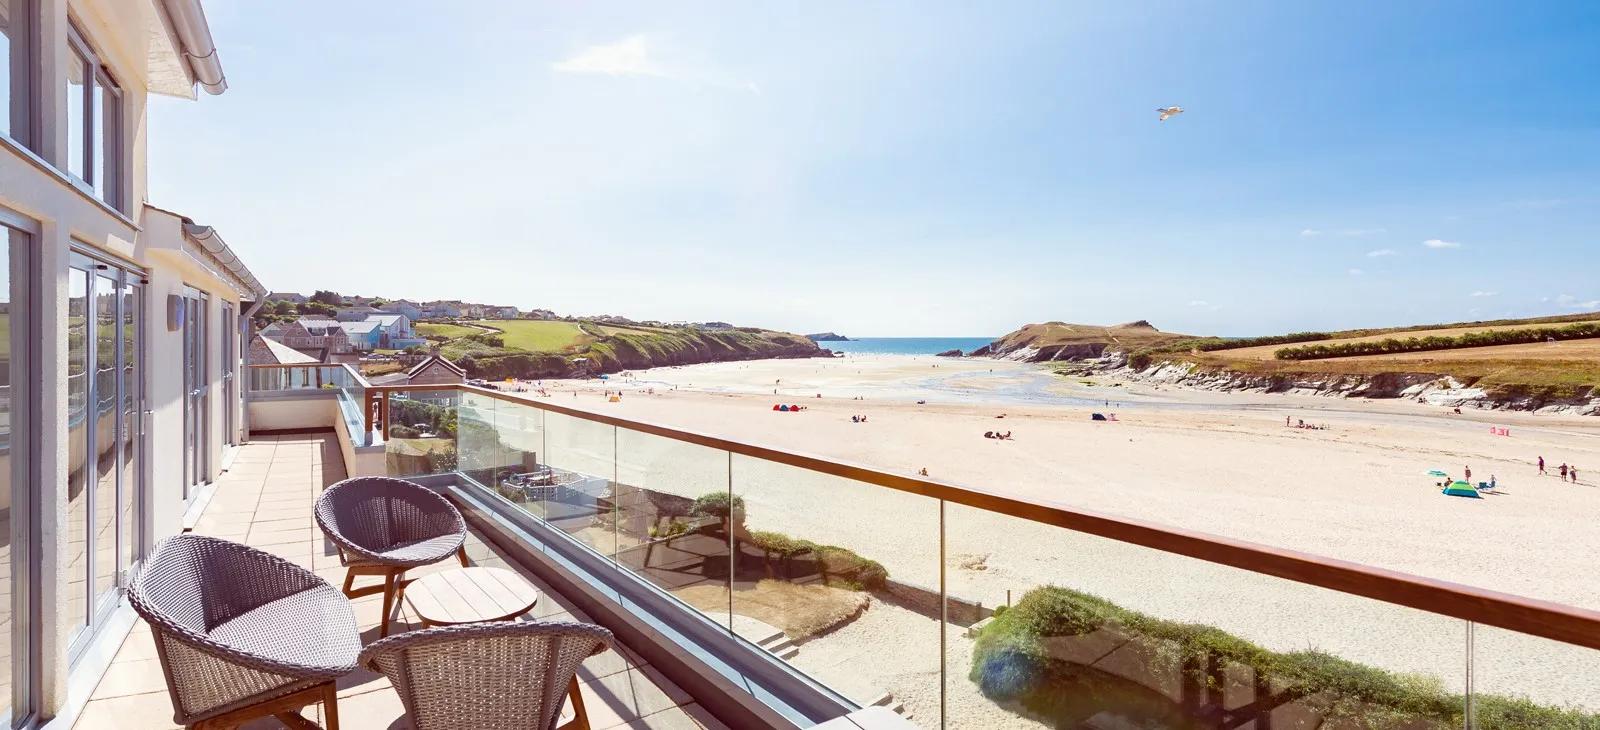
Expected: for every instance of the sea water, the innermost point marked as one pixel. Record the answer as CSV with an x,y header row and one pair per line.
x,y
907,345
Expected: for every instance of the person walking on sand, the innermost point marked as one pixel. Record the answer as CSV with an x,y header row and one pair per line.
x,y
1574,473
1468,470
1563,472
1541,465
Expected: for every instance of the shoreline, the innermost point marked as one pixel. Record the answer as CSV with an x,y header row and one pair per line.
x,y
1220,463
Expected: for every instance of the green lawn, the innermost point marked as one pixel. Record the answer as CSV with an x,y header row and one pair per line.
x,y
538,335
427,329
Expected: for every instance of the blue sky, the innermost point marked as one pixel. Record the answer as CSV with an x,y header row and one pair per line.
x,y
909,168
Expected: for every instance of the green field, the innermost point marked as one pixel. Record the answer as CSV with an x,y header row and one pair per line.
x,y
537,335
452,331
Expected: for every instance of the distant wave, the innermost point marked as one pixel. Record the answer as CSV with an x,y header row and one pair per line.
x,y
907,345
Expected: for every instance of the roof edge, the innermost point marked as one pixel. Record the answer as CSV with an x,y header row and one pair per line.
x,y
199,50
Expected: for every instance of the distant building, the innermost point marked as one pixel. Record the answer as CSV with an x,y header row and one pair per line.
x,y
273,331
402,306
320,338
435,310
715,326
355,314
502,312
286,296
266,351
435,370
541,314
364,336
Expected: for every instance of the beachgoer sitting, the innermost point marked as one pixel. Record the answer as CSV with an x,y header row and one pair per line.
x,y
1007,436
988,434
855,419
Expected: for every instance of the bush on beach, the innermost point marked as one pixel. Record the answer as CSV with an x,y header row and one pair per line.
x,y
1016,659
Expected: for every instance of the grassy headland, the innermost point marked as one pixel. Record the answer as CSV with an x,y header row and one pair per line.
x,y
1507,358
498,349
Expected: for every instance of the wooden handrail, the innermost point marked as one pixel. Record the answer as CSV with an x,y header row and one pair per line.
x,y
1558,622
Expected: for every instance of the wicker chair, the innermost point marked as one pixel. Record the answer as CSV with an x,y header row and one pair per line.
x,y
385,526
489,676
244,634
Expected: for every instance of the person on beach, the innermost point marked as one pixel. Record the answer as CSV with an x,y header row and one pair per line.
x,y
1563,472
1468,470
1573,472
1541,466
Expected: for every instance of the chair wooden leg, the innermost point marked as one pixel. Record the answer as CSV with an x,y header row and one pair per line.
x,y
580,716
388,603
349,581
286,709
330,706
461,553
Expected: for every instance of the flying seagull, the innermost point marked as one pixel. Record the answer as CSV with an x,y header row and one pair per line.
x,y
1170,111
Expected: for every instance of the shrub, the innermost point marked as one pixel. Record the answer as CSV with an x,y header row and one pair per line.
x,y
719,504
402,431
1016,660
1001,610
1487,338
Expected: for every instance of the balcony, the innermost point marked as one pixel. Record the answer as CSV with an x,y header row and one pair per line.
x,y
265,501
767,588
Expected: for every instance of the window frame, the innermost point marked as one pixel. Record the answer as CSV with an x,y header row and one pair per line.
x,y
22,65
106,119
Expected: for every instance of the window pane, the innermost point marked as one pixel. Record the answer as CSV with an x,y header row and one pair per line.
x,y
105,430
78,408
7,397
77,76
7,22
98,136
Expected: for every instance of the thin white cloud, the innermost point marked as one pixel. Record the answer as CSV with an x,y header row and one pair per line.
x,y
1436,243
1361,231
1485,293
627,57
1311,232
1205,305
1381,252
1571,302
1198,303
1356,272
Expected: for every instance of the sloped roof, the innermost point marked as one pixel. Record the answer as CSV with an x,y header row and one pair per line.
x,y
384,319
431,359
360,328
283,354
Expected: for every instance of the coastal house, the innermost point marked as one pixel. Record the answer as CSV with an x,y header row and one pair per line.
x,y
273,330
364,336
355,313
317,337
435,370
403,306
287,296
268,351
501,312
121,381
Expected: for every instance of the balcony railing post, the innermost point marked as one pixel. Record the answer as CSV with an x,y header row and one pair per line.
x,y
383,416
372,395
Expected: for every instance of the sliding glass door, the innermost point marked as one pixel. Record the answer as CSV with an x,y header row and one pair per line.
x,y
230,365
196,381
16,496
105,371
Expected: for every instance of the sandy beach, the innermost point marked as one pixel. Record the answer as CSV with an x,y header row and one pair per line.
x,y
1214,462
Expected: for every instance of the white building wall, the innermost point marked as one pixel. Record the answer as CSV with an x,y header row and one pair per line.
x,y
61,215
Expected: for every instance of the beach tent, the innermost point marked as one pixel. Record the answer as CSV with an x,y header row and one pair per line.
x,y
777,408
783,408
1462,489
1097,417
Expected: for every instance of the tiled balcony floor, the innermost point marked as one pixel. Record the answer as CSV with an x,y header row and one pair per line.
x,y
265,501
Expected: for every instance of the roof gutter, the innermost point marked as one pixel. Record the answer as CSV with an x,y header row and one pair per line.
x,y
206,238
194,38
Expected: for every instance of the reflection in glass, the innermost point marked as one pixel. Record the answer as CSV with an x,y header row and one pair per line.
x,y
77,116
582,459
8,23
1519,681
131,306
422,433
812,552
78,423
667,529
1101,633
8,333
106,440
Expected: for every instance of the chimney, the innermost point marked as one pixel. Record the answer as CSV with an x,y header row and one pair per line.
x,y
433,349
